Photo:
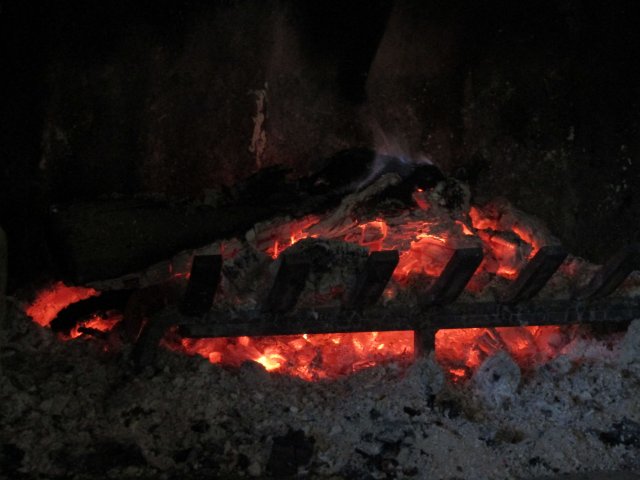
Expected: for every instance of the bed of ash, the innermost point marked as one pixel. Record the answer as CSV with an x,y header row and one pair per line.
x,y
76,410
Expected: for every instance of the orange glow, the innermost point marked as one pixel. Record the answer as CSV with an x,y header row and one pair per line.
x,y
461,351
528,238
293,232
307,356
373,234
50,301
425,241
99,323
465,229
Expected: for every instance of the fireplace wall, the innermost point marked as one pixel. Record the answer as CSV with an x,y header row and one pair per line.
x,y
535,101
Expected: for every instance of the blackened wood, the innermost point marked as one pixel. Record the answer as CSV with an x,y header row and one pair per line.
x,y
107,239
612,273
145,349
68,317
146,303
535,274
455,276
373,279
203,281
288,284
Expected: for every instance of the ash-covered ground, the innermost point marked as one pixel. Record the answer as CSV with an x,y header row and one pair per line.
x,y
76,409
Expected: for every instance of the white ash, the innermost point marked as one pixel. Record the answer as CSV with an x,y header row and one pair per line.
x,y
72,410
497,379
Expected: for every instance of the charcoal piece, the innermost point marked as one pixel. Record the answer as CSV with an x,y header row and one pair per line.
x,y
612,273
373,279
144,352
535,274
68,317
145,303
10,458
288,285
454,277
341,172
110,238
626,432
203,281
289,452
355,169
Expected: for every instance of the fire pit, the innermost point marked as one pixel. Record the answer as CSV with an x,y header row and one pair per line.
x,y
439,322
325,240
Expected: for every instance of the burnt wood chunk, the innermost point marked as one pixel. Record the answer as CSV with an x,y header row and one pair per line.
x,y
145,349
455,276
87,237
535,274
107,301
612,273
288,284
203,281
373,279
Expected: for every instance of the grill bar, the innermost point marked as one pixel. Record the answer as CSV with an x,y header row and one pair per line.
x,y
288,284
516,308
613,273
455,276
535,275
373,279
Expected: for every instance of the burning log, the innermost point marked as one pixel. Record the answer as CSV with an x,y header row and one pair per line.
x,y
203,281
140,232
105,302
323,271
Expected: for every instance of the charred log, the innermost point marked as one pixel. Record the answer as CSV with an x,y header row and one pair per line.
x,y
204,279
76,312
111,238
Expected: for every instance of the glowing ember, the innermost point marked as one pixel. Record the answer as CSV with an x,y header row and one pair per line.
x,y
290,234
50,301
310,357
425,236
461,351
98,323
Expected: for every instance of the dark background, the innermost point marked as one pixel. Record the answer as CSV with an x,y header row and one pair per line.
x,y
537,101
